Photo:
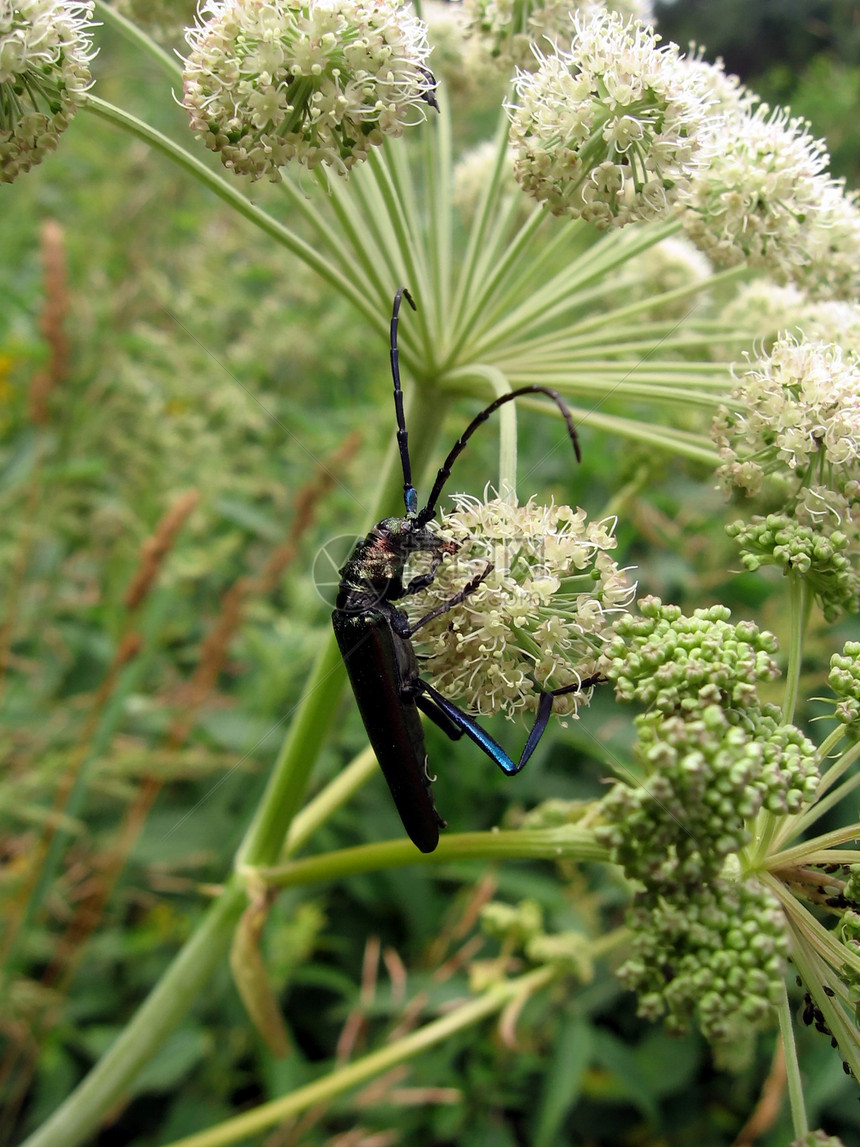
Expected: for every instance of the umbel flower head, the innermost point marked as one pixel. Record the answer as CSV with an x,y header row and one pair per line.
x,y
795,416
45,55
509,29
319,81
538,621
754,198
609,130
794,432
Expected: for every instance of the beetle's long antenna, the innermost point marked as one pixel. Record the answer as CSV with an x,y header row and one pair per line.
x,y
410,497
444,474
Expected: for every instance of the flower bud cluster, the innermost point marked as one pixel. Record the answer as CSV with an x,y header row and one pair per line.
x,y
712,756
538,621
681,664
819,557
511,924
521,927
45,56
705,779
844,680
717,957
319,81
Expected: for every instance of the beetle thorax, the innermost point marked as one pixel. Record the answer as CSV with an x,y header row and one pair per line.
x,y
375,569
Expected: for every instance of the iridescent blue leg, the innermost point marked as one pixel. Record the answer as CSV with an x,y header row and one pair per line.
x,y
468,725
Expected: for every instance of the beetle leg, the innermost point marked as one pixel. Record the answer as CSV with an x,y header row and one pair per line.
x,y
470,587
482,738
438,717
422,581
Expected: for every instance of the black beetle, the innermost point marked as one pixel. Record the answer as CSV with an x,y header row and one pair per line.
x,y
374,636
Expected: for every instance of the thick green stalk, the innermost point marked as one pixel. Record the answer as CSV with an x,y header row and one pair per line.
x,y
571,842
800,602
792,1068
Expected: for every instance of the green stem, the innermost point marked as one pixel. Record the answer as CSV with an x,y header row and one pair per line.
x,y
507,420
374,1064
336,793
139,39
800,603
570,842
802,853
839,766
792,1068
683,443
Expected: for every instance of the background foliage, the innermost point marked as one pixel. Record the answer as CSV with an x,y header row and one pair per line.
x,y
146,353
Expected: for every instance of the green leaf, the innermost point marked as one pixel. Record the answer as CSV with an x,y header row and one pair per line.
x,y
563,1081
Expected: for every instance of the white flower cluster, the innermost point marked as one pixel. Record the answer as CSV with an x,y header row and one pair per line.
x,y
767,309
620,129
319,81
761,181
538,621
795,415
609,131
464,69
45,56
831,245
509,29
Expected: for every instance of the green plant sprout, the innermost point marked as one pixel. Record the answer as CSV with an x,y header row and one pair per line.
x,y
646,237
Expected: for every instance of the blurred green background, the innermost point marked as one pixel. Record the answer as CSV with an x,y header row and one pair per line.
x,y
201,359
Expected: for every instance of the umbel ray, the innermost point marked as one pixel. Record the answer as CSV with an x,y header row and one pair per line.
x,y
375,636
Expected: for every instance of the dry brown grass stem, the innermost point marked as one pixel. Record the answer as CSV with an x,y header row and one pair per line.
x,y
766,1111
128,648
52,327
52,323
215,647
156,548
